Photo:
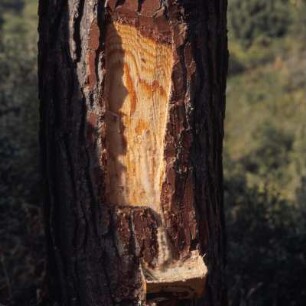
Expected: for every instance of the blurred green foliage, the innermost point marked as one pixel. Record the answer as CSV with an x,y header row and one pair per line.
x,y
10,5
258,19
19,102
21,246
266,247
265,153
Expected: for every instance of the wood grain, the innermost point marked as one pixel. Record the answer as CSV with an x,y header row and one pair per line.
x,y
137,89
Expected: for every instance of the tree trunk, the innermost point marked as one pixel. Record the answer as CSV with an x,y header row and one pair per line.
x,y
132,107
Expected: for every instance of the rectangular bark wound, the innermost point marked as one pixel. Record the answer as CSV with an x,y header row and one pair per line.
x,y
139,79
138,82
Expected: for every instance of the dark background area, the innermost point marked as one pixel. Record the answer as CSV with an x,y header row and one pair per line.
x,y
264,154
21,234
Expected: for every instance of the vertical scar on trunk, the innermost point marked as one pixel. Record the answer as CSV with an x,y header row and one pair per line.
x,y
137,94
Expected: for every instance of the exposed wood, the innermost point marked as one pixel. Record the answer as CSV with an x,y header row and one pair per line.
x,y
132,104
183,279
137,94
138,81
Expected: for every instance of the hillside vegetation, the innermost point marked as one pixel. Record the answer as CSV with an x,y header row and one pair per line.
x,y
21,239
264,154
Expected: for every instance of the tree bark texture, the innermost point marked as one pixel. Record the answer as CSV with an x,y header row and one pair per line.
x,y
132,107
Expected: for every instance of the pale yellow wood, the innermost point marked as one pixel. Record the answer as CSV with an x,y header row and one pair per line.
x,y
137,89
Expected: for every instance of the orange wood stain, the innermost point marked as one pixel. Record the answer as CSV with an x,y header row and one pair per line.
x,y
141,127
137,91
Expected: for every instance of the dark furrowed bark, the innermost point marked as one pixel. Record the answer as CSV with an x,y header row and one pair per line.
x,y
95,248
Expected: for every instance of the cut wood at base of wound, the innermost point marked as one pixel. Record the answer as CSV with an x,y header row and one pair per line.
x,y
137,89
181,279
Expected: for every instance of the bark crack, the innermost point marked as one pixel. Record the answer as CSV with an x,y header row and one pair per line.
x,y
77,29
